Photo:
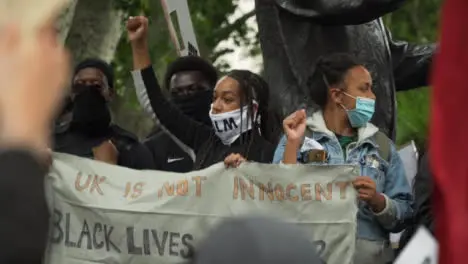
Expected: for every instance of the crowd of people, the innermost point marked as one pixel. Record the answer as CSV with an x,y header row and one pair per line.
x,y
206,119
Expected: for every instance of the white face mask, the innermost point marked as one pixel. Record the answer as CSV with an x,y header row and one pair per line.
x,y
229,126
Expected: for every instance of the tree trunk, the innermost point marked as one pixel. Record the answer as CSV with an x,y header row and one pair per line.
x,y
65,20
95,31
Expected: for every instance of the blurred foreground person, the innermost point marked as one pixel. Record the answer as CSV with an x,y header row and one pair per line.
x,y
338,133
30,94
256,241
190,81
243,125
90,132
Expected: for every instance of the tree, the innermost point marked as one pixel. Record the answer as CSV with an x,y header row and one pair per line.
x,y
96,29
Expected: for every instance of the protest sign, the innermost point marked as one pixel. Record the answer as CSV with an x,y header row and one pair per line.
x,y
180,26
409,156
423,248
109,214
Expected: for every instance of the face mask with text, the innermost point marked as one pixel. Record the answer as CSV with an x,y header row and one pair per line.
x,y
230,125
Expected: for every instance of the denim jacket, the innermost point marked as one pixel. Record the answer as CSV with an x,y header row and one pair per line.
x,y
389,176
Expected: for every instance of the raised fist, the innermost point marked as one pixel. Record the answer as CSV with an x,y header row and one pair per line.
x,y
137,28
294,125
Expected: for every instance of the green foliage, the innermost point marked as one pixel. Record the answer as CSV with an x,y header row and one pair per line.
x,y
211,24
416,22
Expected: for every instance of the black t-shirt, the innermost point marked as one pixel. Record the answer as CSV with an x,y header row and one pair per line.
x,y
132,153
167,154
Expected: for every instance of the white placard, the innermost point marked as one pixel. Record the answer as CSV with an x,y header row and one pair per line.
x,y
409,155
189,45
422,249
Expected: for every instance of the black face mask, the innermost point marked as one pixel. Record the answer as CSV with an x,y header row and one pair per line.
x,y
91,114
63,119
197,105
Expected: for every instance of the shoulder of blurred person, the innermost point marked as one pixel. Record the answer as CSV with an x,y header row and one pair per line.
x,y
21,186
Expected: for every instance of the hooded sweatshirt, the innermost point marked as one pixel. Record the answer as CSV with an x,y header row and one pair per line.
x,y
373,244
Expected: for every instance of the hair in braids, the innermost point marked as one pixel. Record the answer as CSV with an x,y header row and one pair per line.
x,y
265,122
254,88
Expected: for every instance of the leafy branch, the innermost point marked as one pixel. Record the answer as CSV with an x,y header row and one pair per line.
x,y
238,25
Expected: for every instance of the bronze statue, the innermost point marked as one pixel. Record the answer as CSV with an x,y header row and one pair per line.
x,y
294,33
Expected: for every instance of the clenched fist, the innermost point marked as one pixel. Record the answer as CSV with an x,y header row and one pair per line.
x,y
294,125
137,29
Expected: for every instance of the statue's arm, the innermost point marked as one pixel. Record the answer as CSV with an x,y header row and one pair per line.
x,y
411,63
339,12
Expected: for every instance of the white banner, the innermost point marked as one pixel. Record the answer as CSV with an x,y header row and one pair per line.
x,y
109,214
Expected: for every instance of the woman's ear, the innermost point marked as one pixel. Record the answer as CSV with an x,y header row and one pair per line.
x,y
336,95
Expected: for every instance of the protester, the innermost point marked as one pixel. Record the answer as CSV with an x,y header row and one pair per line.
x,y
340,133
91,132
256,240
30,94
243,125
190,81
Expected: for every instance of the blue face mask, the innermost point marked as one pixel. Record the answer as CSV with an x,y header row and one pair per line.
x,y
362,114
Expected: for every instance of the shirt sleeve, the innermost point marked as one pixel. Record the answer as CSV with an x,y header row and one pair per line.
x,y
142,95
398,196
190,132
